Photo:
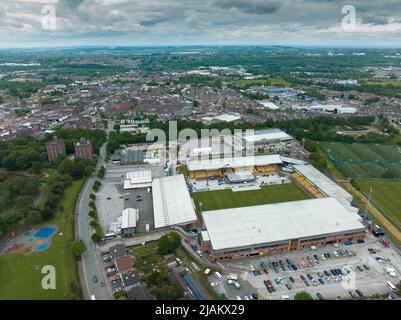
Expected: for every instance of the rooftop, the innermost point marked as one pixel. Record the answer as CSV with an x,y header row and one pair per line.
x,y
172,204
324,183
236,162
267,135
248,226
129,218
124,264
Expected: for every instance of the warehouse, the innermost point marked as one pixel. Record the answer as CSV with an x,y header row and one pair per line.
x,y
137,180
266,229
172,204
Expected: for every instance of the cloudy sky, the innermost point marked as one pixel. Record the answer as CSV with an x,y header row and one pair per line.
x,y
26,23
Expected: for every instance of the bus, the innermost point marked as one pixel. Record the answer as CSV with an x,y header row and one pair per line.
x,y
195,267
108,236
391,286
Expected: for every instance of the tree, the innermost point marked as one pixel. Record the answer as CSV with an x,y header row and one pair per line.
x,y
65,166
169,243
78,248
303,296
47,214
96,237
101,172
76,172
36,167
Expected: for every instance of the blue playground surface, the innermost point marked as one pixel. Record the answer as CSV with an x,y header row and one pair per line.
x,y
36,239
46,232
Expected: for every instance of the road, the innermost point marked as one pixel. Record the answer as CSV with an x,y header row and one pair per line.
x,y
91,262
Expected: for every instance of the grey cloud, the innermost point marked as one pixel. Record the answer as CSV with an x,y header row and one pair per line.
x,y
250,6
152,22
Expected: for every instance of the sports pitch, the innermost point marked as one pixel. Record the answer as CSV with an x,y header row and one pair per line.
x,y
224,199
360,160
386,196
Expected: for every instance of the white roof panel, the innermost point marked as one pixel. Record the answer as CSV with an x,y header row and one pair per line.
x,y
172,204
129,218
236,162
248,226
324,184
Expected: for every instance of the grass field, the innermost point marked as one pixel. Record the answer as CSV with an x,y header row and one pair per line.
x,y
386,196
362,160
261,82
20,274
223,199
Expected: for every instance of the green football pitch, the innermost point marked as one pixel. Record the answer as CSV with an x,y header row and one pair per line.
x,y
223,199
386,196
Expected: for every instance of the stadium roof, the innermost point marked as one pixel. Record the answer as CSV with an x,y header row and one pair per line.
x,y
267,135
249,226
325,184
172,204
236,162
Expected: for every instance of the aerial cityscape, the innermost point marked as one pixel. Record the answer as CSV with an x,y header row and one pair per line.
x,y
168,150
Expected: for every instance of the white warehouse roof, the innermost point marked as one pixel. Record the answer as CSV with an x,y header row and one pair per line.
x,y
227,117
267,135
324,184
255,225
172,204
236,162
129,218
138,179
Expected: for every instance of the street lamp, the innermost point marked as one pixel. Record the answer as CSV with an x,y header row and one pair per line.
x,y
367,204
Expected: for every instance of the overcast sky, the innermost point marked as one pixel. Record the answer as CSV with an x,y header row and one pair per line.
x,y
186,22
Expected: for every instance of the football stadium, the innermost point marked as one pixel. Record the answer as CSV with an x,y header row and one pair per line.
x,y
254,206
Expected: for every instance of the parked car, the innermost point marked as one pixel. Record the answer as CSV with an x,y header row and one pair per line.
x,y
359,292
366,267
359,268
307,283
94,278
352,294
214,284
291,279
237,285
289,287
302,277
320,297
314,282
321,281
269,282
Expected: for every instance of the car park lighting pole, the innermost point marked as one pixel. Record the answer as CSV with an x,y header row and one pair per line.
x,y
367,204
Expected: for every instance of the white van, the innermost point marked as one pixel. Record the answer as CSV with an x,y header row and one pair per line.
x,y
148,190
391,286
237,285
232,276
207,271
285,297
218,275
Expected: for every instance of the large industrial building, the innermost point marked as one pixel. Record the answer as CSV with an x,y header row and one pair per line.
x,y
172,204
273,228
